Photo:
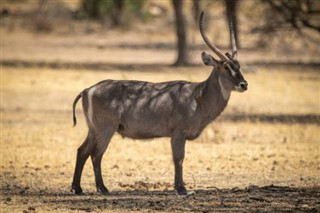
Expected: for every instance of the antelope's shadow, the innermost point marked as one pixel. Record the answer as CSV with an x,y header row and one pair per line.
x,y
252,198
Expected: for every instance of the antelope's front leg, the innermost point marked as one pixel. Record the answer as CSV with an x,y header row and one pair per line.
x,y
178,142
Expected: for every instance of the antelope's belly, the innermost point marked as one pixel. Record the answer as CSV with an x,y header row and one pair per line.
x,y
140,131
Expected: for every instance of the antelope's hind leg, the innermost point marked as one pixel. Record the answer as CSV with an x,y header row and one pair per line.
x,y
103,140
82,155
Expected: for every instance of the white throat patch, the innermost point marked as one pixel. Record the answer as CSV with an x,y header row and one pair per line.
x,y
225,93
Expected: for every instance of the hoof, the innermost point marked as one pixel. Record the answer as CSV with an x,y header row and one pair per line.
x,y
182,191
103,190
77,190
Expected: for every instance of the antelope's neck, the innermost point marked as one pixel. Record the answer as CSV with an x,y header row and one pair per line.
x,y
224,92
215,96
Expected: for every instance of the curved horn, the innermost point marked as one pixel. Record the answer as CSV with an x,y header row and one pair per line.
x,y
210,45
231,29
233,42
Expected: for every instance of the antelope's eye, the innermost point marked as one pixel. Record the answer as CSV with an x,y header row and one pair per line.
x,y
232,70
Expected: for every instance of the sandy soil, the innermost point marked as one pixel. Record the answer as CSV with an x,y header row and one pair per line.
x,y
261,155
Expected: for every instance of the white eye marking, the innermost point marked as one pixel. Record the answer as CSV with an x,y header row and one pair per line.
x,y
233,73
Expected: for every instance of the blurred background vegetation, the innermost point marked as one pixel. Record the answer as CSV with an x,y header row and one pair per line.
x,y
286,26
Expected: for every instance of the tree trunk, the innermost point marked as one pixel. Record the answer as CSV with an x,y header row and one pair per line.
x,y
91,7
196,10
183,58
117,13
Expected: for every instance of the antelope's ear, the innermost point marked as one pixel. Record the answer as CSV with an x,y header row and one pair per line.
x,y
208,59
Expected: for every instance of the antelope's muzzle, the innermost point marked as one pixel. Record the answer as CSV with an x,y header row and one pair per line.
x,y
242,86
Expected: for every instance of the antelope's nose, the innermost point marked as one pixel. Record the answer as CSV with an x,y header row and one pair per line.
x,y
243,85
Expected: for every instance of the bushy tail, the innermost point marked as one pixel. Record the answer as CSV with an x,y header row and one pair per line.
x,y
74,108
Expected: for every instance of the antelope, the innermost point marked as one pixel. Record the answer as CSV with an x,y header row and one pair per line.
x,y
143,110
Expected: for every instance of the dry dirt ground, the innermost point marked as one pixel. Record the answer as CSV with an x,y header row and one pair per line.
x,y
261,155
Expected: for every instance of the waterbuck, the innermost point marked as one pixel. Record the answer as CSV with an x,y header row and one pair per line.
x,y
141,110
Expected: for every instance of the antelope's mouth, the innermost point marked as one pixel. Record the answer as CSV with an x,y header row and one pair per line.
x,y
242,86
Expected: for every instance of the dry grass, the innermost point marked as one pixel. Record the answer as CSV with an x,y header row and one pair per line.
x,y
38,143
